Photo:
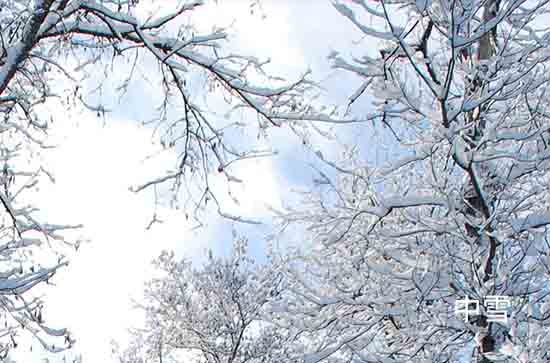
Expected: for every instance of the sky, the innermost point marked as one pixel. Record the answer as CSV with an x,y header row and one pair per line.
x,y
98,158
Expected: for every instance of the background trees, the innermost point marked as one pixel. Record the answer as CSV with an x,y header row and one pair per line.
x,y
214,313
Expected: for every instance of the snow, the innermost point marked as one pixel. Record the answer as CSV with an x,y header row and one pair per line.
x,y
463,156
117,16
348,13
534,220
412,201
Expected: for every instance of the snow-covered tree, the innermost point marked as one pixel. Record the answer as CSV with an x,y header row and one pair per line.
x,y
79,40
460,206
51,53
219,313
